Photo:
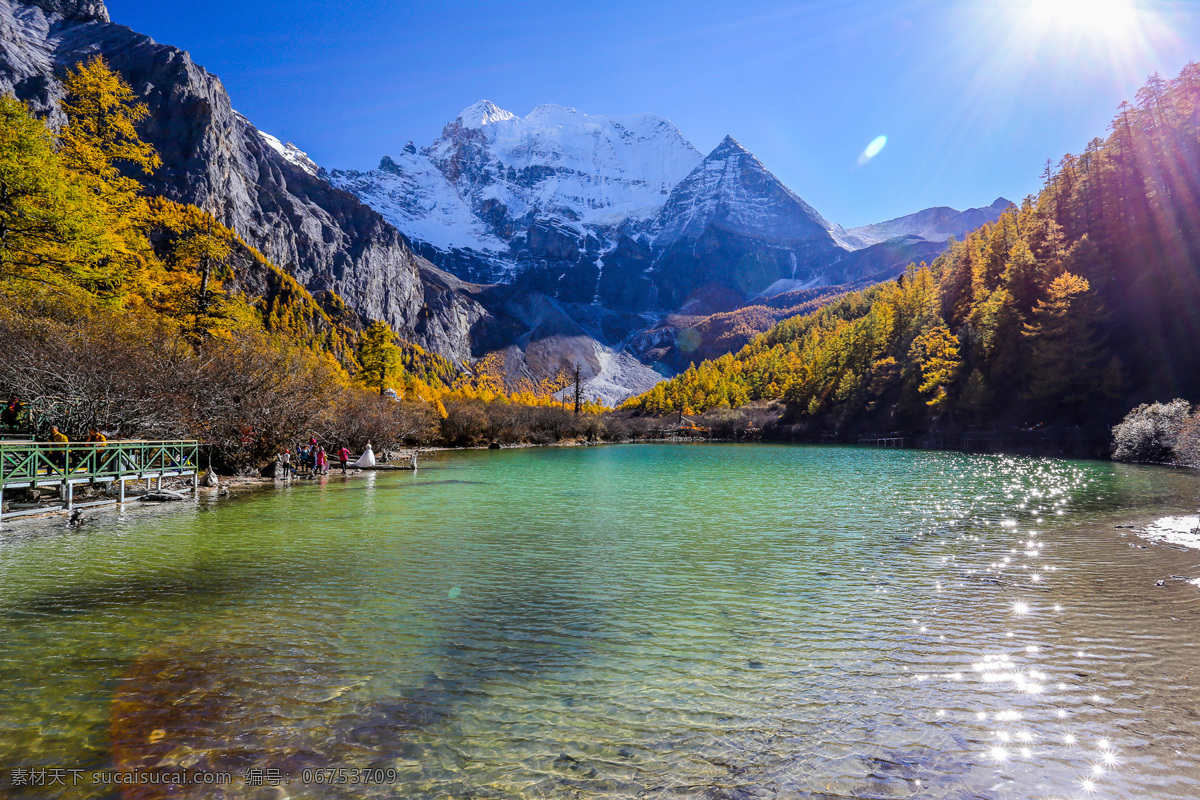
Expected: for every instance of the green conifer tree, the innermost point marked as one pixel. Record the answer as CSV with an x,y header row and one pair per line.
x,y
378,355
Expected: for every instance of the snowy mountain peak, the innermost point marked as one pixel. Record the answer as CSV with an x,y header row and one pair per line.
x,y
515,189
731,152
553,113
728,146
485,112
732,189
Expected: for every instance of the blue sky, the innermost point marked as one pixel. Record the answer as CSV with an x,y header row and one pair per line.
x,y
972,95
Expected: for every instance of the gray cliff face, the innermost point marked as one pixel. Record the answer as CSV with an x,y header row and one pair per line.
x,y
82,10
215,158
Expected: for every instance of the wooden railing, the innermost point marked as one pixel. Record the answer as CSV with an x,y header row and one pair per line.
x,y
66,464
39,463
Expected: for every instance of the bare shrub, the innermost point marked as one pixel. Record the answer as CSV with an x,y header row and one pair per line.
x,y
1148,433
593,427
466,423
106,371
1187,442
358,417
507,422
725,423
626,426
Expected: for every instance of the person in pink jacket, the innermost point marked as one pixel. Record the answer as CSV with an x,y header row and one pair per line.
x,y
344,457
322,461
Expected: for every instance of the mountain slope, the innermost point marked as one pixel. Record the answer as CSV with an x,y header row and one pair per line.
x,y
625,225
214,158
731,227
932,224
605,217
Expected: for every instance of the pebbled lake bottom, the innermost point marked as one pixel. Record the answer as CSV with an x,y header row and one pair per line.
x,y
643,621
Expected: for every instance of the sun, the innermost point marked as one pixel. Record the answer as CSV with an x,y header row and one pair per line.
x,y
1111,19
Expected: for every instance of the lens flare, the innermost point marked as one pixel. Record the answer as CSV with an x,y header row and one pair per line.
x,y
873,149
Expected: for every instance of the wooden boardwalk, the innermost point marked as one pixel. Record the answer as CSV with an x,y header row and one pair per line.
x,y
67,465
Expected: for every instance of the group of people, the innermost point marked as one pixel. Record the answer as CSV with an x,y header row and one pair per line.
x,y
95,436
59,456
312,459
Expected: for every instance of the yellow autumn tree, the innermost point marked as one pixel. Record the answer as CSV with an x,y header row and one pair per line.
x,y
190,286
1065,354
50,232
99,143
936,354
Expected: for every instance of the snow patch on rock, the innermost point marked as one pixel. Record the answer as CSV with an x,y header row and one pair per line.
x,y
291,154
492,174
412,194
784,285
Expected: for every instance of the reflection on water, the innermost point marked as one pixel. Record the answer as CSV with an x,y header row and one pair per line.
x,y
650,621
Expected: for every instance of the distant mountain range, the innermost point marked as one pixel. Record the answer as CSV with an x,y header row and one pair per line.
x,y
556,238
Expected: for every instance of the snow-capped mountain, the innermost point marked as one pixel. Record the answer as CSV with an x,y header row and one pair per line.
x,y
496,184
733,190
587,229
729,230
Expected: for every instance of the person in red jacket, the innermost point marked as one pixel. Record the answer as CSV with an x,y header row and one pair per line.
x,y
344,457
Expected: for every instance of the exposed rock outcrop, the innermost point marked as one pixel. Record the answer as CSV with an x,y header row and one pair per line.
x,y
75,9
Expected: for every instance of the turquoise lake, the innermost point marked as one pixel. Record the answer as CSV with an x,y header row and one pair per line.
x,y
636,621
